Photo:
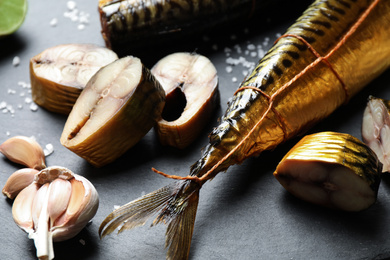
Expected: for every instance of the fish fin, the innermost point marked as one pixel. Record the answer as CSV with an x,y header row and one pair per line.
x,y
175,205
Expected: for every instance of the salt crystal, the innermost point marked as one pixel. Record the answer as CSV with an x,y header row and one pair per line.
x,y
27,100
233,37
53,22
33,107
10,109
16,61
8,133
253,54
214,47
229,69
244,72
20,106
24,84
82,241
49,149
83,19
81,27
3,104
22,94
71,5
4,110
116,207
234,79
74,18
261,53
251,47
11,91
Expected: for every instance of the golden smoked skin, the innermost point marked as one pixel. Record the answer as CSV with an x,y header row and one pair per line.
x,y
314,95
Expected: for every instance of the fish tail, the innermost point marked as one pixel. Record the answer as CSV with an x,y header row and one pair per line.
x,y
174,205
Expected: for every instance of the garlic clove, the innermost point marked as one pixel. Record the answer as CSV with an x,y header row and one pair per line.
x,y
84,202
22,207
55,207
39,199
24,150
18,181
58,198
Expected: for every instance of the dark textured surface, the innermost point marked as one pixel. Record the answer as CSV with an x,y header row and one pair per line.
x,y
243,213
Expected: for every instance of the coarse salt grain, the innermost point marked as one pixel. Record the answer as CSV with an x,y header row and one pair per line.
x,y
251,47
54,22
234,79
33,107
24,84
261,53
16,61
71,5
82,241
229,69
49,149
80,27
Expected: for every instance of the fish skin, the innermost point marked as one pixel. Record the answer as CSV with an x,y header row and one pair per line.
x,y
313,96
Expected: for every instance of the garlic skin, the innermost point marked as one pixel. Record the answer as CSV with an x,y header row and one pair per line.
x,y
17,181
24,150
55,207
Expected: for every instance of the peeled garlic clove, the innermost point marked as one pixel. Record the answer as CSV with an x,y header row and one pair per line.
x,y
119,105
331,169
376,129
18,181
55,207
60,73
24,150
191,85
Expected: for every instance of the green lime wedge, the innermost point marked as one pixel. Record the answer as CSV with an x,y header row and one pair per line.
x,y
12,14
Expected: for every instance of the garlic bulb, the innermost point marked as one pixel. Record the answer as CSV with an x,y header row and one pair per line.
x,y
24,150
18,181
55,207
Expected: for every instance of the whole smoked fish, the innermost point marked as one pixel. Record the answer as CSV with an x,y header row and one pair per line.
x,y
328,55
133,23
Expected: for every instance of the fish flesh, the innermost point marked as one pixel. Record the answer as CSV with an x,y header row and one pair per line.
x,y
334,170
190,83
376,129
327,56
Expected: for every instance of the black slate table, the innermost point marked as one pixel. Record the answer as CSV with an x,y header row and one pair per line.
x,y
243,213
